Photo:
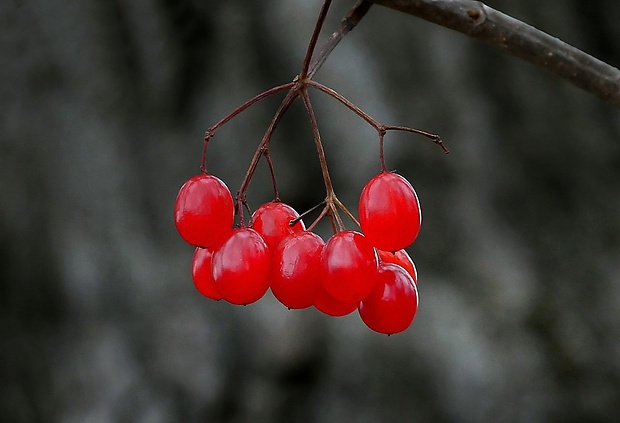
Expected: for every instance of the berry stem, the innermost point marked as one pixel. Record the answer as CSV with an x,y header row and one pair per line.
x,y
381,153
331,201
433,137
346,211
333,212
262,149
347,24
211,131
272,172
333,93
203,162
319,217
299,88
332,219
313,40
304,214
381,128
319,144
350,21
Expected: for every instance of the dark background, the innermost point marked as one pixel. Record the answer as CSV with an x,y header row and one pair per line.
x,y
104,105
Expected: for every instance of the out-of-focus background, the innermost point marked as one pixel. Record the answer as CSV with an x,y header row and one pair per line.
x,y
104,106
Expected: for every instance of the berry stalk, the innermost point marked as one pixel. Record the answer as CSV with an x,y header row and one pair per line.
x,y
313,40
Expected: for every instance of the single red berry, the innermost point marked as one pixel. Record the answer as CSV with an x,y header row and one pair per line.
x,y
203,211
241,267
393,303
295,275
272,221
348,266
402,258
201,274
327,304
389,212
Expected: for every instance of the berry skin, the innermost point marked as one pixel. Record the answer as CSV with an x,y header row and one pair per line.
x,y
400,258
272,219
241,267
327,304
393,303
295,275
203,211
201,274
389,212
348,266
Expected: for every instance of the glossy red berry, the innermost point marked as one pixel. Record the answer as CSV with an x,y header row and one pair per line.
x,y
295,275
241,267
201,274
203,211
327,304
393,303
389,212
402,258
348,266
272,221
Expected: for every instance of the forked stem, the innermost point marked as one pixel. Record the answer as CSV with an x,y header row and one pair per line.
x,y
381,128
319,217
346,211
299,88
262,150
211,131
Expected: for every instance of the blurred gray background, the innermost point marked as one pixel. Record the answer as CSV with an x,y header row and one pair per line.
x,y
104,106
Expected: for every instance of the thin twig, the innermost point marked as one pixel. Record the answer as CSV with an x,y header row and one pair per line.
x,y
293,222
347,24
381,128
315,36
318,143
519,39
260,151
335,94
211,131
319,217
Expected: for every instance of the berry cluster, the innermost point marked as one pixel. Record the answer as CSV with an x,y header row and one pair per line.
x,y
367,270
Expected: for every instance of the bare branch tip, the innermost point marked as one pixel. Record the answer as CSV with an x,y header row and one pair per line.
x,y
440,143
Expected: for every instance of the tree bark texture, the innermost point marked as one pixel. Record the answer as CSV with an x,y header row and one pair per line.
x,y
515,37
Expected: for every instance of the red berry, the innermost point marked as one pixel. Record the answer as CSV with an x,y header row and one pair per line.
x,y
202,276
401,258
327,304
389,212
241,267
348,266
295,275
272,221
203,211
393,303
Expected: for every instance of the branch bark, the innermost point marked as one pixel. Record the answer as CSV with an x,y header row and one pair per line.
x,y
480,21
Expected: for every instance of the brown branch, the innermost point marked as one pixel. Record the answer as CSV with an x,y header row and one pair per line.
x,y
477,20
